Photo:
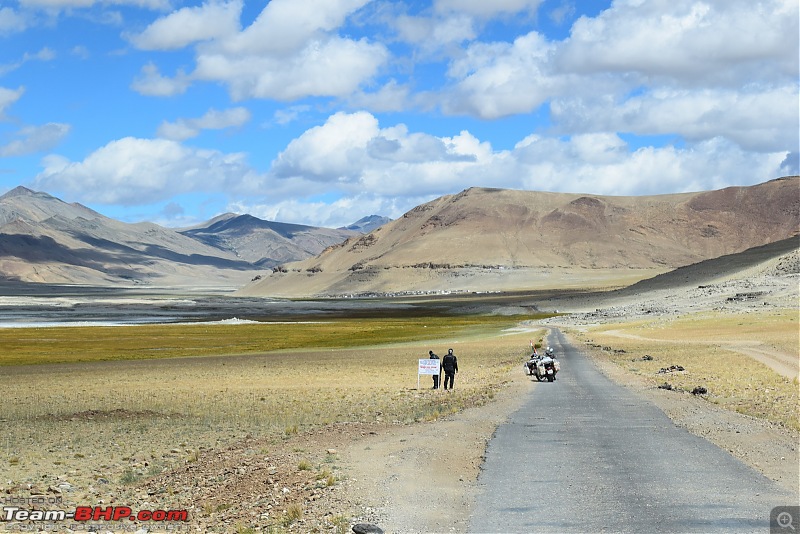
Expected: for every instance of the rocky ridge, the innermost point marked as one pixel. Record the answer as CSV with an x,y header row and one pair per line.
x,y
501,240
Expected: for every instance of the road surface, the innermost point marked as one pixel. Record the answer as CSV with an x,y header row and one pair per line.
x,y
584,454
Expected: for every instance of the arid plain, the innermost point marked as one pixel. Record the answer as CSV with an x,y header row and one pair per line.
x,y
251,439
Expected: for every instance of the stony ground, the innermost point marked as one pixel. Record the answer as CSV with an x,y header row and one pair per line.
x,y
421,477
404,478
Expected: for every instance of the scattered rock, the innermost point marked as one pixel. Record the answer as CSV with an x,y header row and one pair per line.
x,y
671,369
699,390
367,528
746,296
666,385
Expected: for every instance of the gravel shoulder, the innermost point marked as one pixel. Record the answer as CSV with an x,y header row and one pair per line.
x,y
422,478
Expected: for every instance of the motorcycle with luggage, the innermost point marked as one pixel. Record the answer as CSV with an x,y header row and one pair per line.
x,y
544,367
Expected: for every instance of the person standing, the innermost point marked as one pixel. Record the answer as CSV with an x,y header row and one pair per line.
x,y
450,368
435,377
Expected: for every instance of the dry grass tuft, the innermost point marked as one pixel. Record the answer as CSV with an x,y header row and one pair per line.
x,y
293,513
304,465
713,349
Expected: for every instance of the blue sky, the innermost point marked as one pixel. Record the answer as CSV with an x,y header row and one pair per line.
x,y
323,111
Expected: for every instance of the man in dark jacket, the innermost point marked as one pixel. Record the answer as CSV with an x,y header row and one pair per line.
x,y
450,368
435,377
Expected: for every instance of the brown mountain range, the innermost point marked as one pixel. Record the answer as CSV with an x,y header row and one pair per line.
x,y
500,240
266,243
46,240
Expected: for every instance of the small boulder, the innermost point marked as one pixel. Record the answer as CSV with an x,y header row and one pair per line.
x,y
367,528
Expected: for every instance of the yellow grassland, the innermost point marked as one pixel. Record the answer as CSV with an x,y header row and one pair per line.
x,y
719,351
119,414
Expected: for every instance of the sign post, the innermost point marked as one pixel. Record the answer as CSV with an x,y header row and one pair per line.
x,y
427,366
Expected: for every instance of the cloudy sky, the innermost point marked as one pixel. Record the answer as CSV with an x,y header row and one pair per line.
x,y
322,111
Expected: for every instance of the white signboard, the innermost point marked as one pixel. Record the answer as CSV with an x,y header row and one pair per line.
x,y
429,367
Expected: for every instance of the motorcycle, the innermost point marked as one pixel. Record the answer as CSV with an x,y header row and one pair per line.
x,y
545,368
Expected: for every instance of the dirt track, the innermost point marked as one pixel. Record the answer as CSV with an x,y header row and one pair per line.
x,y
782,363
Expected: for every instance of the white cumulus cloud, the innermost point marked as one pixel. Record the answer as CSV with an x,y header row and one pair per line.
x,y
73,4
132,171
150,82
720,42
286,26
190,24
183,129
291,51
695,70
497,80
756,119
11,21
352,152
331,66
488,9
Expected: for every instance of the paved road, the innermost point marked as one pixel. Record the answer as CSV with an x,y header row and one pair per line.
x,y
586,455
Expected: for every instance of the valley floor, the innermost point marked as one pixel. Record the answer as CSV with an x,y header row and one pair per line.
x,y
421,476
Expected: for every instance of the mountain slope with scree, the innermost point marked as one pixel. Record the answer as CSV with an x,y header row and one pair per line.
x,y
503,240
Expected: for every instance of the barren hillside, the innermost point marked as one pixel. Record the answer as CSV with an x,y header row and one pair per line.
x,y
266,243
46,240
491,239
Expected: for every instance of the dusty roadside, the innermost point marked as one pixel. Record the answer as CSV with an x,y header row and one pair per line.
x,y
423,478
401,477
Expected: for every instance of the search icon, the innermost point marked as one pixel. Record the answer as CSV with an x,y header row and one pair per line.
x,y
785,520
782,519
